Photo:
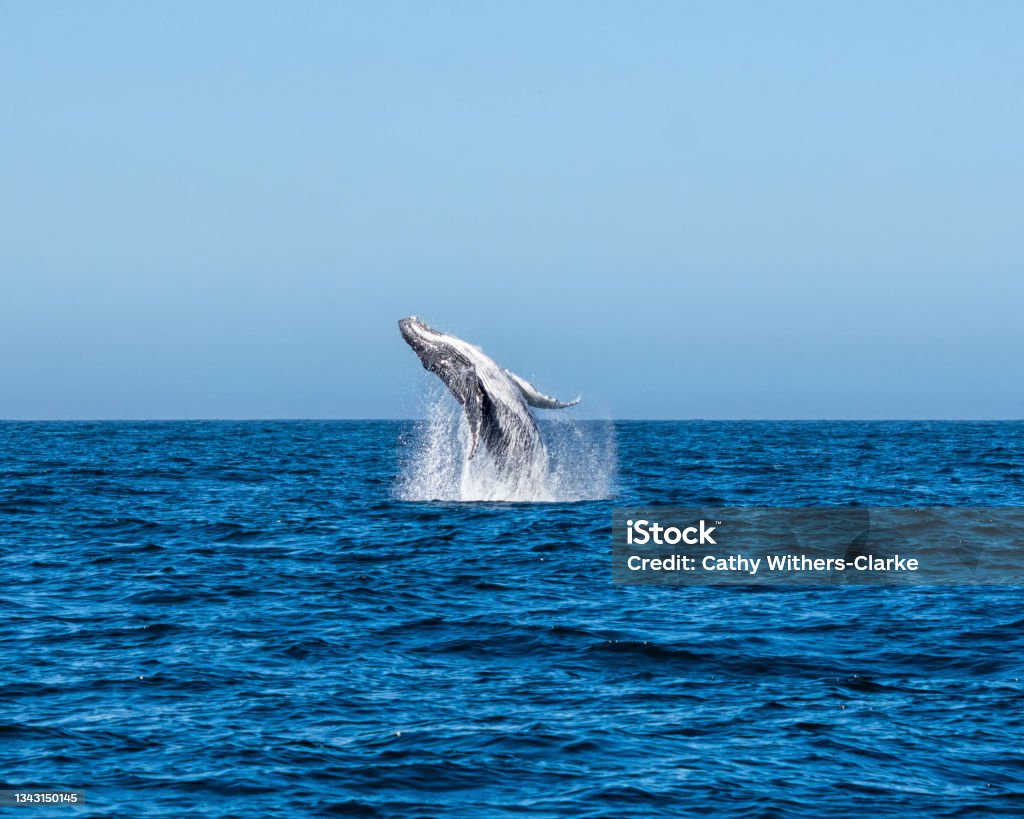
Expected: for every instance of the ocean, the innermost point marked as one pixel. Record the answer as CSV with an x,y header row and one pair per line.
x,y
304,618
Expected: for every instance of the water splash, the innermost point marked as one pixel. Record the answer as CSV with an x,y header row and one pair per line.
x,y
581,462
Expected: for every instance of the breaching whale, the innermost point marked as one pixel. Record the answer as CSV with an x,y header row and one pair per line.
x,y
493,399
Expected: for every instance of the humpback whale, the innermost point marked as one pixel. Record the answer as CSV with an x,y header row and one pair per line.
x,y
494,400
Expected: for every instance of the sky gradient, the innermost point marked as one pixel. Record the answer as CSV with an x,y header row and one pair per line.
x,y
740,210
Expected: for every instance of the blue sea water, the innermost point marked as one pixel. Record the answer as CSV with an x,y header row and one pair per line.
x,y
246,619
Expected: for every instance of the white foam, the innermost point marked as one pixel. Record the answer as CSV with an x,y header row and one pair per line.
x,y
580,462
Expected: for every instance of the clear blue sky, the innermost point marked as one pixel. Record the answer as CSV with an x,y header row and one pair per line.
x,y
719,210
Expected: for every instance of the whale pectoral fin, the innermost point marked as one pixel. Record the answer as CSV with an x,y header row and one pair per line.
x,y
474,406
535,398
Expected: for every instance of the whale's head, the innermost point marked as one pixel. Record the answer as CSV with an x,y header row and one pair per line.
x,y
424,340
438,352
